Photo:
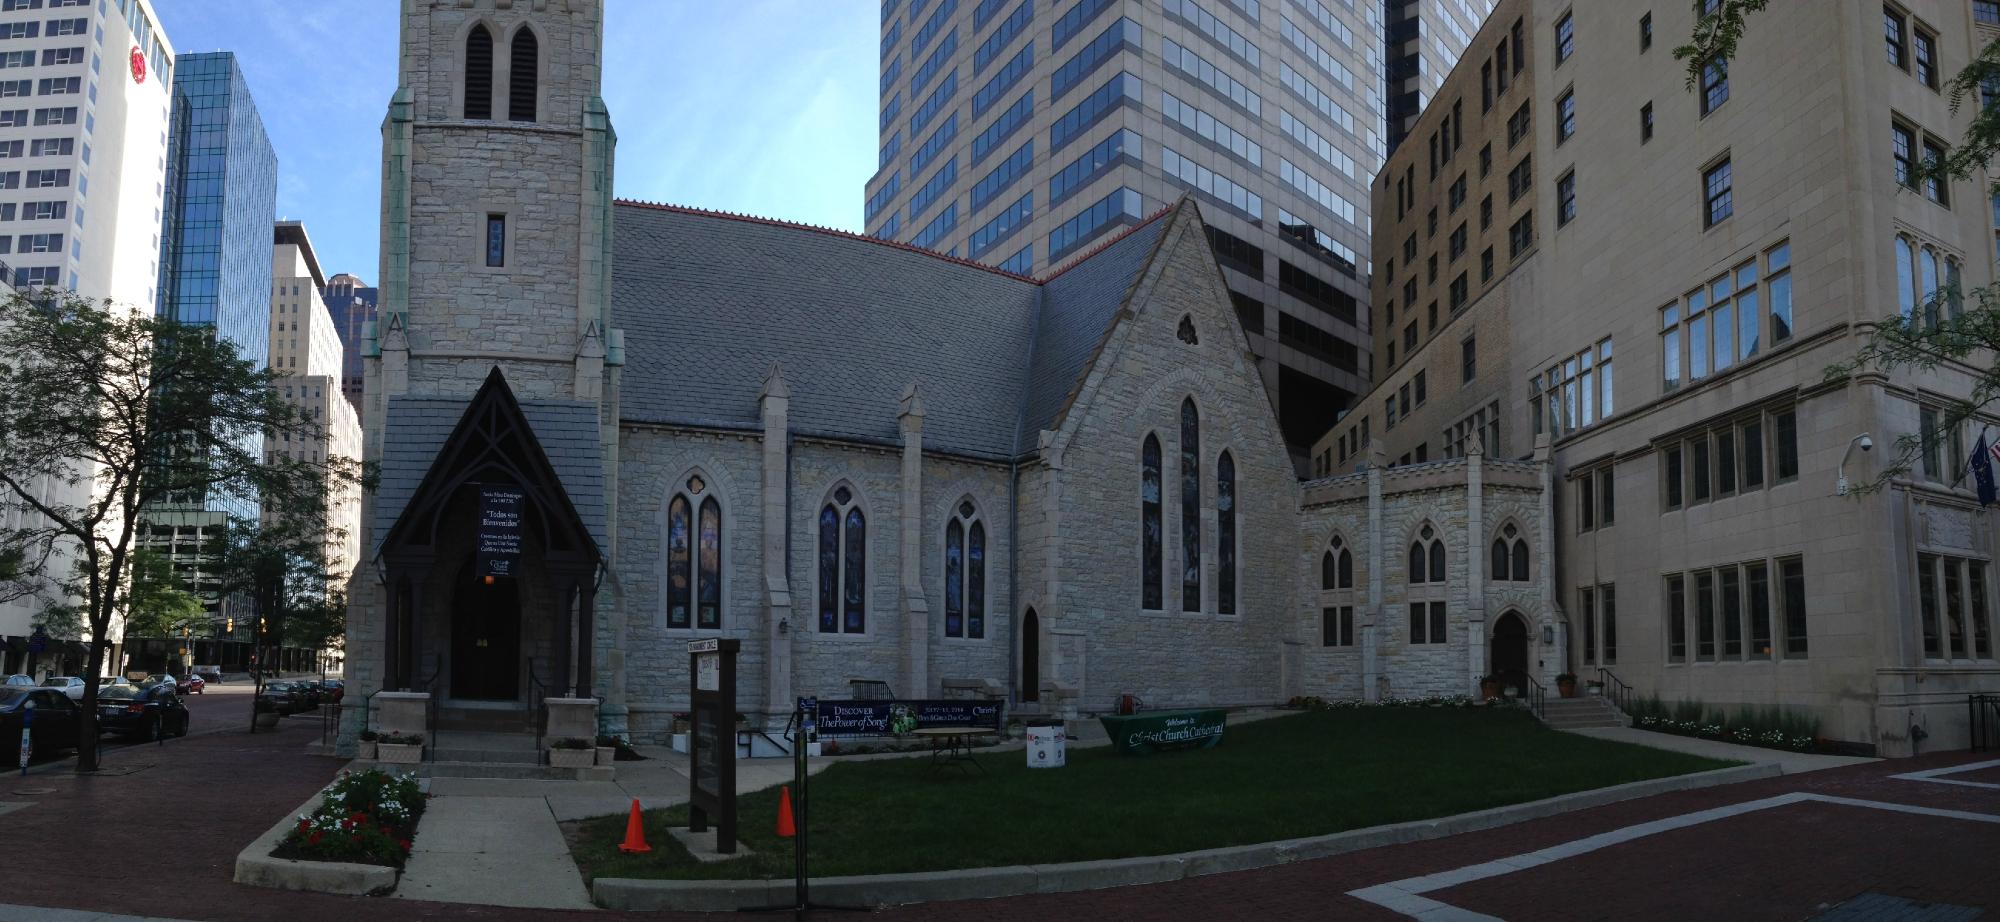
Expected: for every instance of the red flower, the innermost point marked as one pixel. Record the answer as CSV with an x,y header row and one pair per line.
x,y
315,838
405,843
304,825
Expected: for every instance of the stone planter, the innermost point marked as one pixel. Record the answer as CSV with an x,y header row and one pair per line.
x,y
399,753
267,720
1594,688
365,750
572,758
607,755
1568,689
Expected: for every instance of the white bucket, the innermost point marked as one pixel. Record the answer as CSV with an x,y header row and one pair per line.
x,y
1046,747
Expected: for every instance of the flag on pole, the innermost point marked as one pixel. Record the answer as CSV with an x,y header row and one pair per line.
x,y
1983,459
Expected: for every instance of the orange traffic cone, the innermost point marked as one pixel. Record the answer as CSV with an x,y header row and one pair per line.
x,y
785,828
635,833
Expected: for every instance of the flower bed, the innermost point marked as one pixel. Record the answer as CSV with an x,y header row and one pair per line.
x,y
366,817
1769,727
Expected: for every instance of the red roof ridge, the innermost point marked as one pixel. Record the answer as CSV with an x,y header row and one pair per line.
x,y
1106,244
830,231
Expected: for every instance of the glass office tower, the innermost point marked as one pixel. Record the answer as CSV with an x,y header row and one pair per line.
x,y
1019,133
221,201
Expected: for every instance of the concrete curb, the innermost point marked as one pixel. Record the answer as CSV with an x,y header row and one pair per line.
x,y
987,883
256,867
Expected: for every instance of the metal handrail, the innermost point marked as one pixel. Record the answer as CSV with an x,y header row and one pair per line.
x,y
1983,721
430,686
1536,698
538,695
1617,690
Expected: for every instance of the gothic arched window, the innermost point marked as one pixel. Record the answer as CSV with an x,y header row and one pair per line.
x,y
965,573
523,69
1510,556
1337,605
1427,578
843,565
1225,534
694,557
1190,507
479,73
1427,557
1152,532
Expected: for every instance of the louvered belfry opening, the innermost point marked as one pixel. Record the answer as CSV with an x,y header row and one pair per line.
x,y
522,69
479,73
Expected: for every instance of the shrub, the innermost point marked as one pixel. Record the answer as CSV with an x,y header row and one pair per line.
x,y
370,736
393,738
572,742
368,817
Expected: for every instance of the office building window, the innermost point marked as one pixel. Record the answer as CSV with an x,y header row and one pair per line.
x,y
1936,187
1566,198
1925,57
1565,116
1645,123
1719,201
1714,86
1565,37
1894,29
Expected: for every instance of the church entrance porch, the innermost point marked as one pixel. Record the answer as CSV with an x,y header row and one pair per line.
x,y
1510,651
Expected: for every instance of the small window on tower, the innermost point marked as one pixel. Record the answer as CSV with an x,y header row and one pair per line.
x,y
496,240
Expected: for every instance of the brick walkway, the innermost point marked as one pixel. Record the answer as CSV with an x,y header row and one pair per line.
x,y
212,794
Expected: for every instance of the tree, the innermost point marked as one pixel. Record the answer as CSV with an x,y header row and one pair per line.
x,y
128,411
156,605
1955,328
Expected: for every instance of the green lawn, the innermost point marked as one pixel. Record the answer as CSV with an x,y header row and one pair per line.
x,y
1308,774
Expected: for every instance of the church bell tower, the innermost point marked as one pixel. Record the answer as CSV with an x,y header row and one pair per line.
x,y
496,202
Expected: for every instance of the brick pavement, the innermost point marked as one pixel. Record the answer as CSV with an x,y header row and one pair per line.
x,y
1786,862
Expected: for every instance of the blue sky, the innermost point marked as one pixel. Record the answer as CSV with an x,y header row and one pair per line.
x,y
759,106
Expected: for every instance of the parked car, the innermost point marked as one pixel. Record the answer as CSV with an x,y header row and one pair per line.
x,y
147,712
335,689
68,684
111,680
192,685
19,680
282,698
160,678
54,728
312,693
209,673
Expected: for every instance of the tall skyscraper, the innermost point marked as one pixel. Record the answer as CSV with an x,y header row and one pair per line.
x,y
215,268
306,350
1019,136
352,306
84,98
1423,40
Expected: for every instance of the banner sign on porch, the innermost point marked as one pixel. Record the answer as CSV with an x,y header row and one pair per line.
x,y
890,717
1157,730
499,549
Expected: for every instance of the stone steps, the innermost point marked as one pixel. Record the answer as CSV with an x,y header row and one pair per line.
x,y
1582,712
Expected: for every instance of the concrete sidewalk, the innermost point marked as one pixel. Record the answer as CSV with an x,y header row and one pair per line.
x,y
1791,763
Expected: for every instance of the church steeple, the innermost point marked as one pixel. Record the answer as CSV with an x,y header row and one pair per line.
x,y
497,164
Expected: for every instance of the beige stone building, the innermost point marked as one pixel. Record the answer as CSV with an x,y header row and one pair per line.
x,y
306,351
1687,265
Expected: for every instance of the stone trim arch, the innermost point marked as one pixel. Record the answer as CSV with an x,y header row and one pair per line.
x,y
937,530
719,486
504,74
1518,548
459,66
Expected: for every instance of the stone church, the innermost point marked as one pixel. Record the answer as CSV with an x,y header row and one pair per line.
x,y
865,461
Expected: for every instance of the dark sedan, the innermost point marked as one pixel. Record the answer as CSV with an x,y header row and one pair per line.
x,y
54,727
282,698
147,712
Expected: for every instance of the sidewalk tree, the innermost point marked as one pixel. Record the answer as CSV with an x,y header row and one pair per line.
x,y
1953,328
280,563
128,411
157,605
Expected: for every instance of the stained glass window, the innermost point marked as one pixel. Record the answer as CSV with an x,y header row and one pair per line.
x,y
709,596
854,575
1345,570
1327,577
1190,507
1151,565
975,581
954,579
1417,574
829,570
678,578
1225,535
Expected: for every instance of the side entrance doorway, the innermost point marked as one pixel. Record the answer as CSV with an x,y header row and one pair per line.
x,y
485,638
1510,651
1031,657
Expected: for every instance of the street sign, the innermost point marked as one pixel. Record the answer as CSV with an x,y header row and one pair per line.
x,y
27,741
712,744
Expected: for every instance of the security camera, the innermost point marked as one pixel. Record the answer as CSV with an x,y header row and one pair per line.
x,y
1867,444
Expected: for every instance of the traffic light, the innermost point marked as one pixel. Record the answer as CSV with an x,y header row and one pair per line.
x,y
231,626
263,625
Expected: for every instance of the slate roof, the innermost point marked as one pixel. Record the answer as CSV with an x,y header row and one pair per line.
x,y
710,301
415,429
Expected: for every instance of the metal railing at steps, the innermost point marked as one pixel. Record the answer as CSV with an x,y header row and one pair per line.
x,y
434,686
1983,721
1615,689
538,696
1536,699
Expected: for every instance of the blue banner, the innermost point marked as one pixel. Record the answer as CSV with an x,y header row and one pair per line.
x,y
892,717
